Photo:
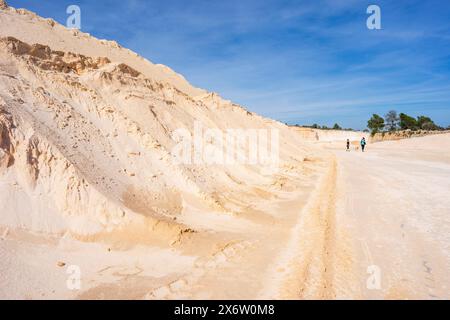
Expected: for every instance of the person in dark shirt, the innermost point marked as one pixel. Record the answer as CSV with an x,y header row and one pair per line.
x,y
363,143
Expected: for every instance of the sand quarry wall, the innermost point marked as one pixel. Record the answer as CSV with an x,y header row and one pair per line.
x,y
319,135
338,136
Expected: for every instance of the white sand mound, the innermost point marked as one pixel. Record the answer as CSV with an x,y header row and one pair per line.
x,y
86,134
88,178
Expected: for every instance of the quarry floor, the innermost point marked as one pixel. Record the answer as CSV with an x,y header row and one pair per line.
x,y
395,207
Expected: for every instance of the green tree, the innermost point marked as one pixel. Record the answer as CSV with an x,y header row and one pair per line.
x,y
375,124
392,120
407,122
337,127
426,123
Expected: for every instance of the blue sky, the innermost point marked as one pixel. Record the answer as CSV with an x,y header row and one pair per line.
x,y
297,61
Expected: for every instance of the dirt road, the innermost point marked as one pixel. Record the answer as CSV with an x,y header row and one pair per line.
x,y
395,207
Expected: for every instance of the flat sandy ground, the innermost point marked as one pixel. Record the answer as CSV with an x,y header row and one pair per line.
x,y
376,226
395,206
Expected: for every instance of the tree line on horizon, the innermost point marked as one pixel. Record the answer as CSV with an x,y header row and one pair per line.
x,y
393,121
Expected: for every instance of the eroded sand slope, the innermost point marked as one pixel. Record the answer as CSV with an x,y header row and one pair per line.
x,y
395,207
87,177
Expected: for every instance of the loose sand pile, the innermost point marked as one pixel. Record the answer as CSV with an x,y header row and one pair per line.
x,y
86,134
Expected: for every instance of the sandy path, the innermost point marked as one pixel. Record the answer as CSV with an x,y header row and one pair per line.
x,y
301,266
394,204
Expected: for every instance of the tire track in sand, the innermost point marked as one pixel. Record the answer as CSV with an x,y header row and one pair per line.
x,y
304,269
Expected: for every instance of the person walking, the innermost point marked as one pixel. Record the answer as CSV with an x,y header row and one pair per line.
x,y
363,143
348,145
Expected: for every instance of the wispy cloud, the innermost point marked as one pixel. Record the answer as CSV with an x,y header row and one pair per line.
x,y
297,61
